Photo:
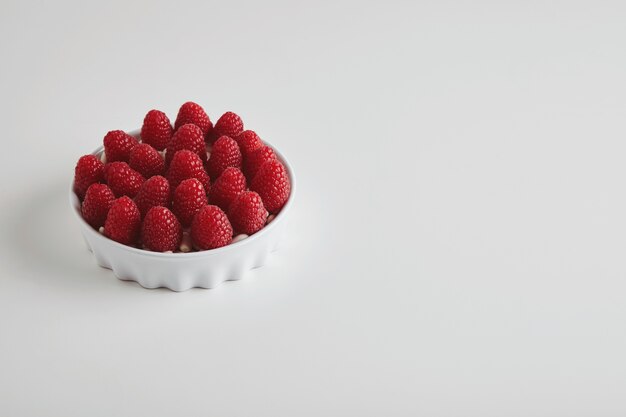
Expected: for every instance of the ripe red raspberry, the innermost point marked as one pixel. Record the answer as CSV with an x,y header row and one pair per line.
x,y
161,231
146,160
154,192
247,213
122,179
227,187
156,130
189,198
89,170
211,229
256,159
272,184
187,164
98,201
123,221
189,137
228,125
225,153
191,112
248,142
117,145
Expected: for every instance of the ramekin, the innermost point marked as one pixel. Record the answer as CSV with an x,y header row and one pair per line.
x,y
182,271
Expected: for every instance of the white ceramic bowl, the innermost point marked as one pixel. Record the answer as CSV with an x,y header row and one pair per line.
x,y
182,271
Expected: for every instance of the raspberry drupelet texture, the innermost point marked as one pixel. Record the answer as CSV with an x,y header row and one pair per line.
x,y
117,145
98,200
248,142
189,137
187,164
225,153
227,187
211,228
229,124
161,231
146,160
89,170
122,179
154,192
156,130
123,221
157,193
193,113
247,213
189,198
273,185
256,159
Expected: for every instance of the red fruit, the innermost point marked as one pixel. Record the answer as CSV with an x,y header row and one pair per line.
x,y
189,137
123,221
247,213
227,187
272,184
89,170
98,201
248,142
256,159
154,192
161,231
211,229
117,145
187,164
225,153
189,198
191,112
228,125
156,130
122,179
146,160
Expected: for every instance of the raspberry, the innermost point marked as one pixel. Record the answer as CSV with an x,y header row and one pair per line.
x,y
189,198
146,160
227,187
272,184
161,230
117,145
122,179
211,229
154,192
89,170
123,221
228,125
248,142
189,137
156,130
193,113
225,153
186,164
256,159
98,201
247,213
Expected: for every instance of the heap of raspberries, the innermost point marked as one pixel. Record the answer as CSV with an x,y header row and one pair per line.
x,y
195,185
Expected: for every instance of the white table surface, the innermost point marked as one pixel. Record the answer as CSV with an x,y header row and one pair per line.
x,y
456,247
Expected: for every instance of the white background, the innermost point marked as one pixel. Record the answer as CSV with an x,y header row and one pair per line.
x,y
456,247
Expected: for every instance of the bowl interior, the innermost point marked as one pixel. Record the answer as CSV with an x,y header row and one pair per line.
x,y
75,203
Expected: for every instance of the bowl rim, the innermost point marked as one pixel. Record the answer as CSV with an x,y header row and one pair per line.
x,y
73,198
